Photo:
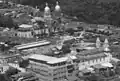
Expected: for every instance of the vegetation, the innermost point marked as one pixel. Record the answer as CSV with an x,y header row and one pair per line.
x,y
11,71
91,11
7,21
24,63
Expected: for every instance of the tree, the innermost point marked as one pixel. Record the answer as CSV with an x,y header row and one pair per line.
x,y
94,77
6,21
11,71
2,77
92,11
70,31
24,63
66,49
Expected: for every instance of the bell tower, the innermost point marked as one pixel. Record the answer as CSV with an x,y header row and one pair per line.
x,y
57,10
47,19
98,43
47,13
106,43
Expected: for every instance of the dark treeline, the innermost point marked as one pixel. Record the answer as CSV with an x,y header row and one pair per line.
x,y
91,11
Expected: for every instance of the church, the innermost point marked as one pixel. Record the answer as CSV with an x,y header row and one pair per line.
x,y
50,23
51,18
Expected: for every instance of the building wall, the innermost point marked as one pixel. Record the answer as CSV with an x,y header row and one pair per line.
x,y
40,31
2,61
10,59
50,73
94,61
3,68
37,31
41,69
16,65
7,33
27,34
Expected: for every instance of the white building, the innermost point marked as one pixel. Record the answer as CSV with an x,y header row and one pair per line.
x,y
52,68
25,31
16,65
92,60
98,55
28,31
3,68
102,27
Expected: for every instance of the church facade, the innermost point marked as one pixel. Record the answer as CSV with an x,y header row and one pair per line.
x,y
41,25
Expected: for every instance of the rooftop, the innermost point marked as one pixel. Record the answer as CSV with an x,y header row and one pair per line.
x,y
26,26
90,57
2,56
27,74
72,25
32,44
99,66
91,51
39,19
100,55
45,49
50,60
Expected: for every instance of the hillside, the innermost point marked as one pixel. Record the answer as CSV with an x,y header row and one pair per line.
x,y
91,11
109,0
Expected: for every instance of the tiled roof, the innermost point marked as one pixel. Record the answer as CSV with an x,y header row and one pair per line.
x,y
2,56
45,49
27,74
90,57
91,52
98,66
95,56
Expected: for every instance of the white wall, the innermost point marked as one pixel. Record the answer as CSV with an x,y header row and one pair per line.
x,y
94,62
24,34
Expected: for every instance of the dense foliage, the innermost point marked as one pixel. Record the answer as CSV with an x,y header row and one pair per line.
x,y
7,21
91,11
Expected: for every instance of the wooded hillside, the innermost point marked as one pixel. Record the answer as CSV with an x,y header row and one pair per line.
x,y
91,11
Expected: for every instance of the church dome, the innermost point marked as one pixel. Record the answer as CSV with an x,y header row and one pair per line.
x,y
57,7
47,9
